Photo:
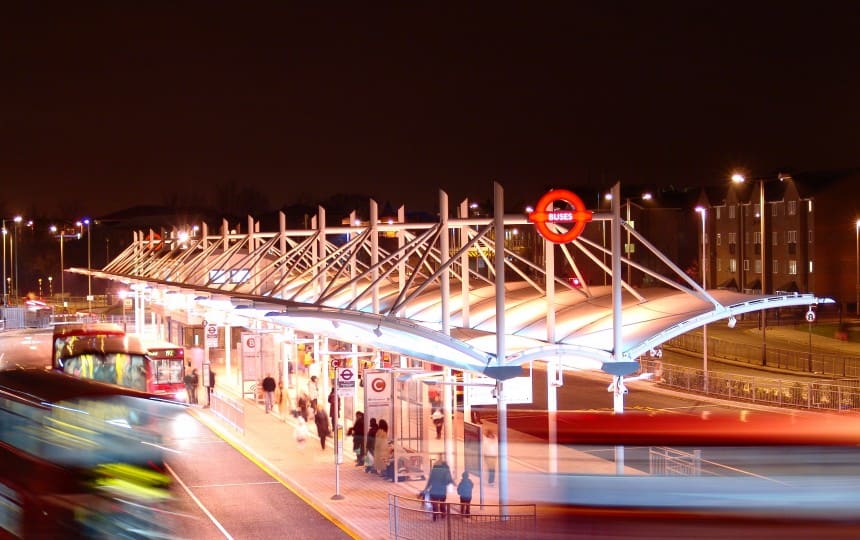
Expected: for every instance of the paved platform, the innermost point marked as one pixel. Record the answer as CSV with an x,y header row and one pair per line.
x,y
347,495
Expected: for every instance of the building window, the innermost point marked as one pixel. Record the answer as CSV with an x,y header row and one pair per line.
x,y
792,208
810,267
732,212
733,238
733,265
758,266
774,210
792,267
757,209
809,236
717,211
775,266
719,239
809,207
774,237
746,238
719,265
746,265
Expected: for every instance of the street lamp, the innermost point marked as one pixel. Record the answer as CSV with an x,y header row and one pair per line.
x,y
51,286
86,221
702,210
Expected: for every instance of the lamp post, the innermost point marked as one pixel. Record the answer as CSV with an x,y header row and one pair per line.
x,y
739,179
5,298
51,286
857,283
702,210
81,223
13,249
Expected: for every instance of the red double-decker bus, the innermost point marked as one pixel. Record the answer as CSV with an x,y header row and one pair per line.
x,y
105,353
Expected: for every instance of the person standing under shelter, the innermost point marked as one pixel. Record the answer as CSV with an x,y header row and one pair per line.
x,y
491,455
380,447
210,387
195,382
269,386
357,433
437,486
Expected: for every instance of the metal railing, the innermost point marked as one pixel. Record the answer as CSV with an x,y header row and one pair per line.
x,y
803,361
820,395
408,519
229,410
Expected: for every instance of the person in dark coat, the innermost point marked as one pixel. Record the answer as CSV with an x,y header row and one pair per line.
x,y
437,486
357,432
321,420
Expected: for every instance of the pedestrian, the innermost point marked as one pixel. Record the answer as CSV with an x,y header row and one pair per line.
x,y
210,388
437,486
464,490
195,382
357,433
380,447
438,421
269,386
491,453
283,398
321,420
313,392
333,403
302,432
370,444
189,383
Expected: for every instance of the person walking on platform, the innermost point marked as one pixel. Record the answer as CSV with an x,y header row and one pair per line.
x,y
438,421
210,387
269,386
437,486
491,454
321,420
195,382
313,392
464,490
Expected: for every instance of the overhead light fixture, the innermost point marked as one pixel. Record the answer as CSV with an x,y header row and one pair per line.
x,y
377,332
732,322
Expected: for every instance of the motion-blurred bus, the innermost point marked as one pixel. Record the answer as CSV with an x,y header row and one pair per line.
x,y
81,459
105,353
744,463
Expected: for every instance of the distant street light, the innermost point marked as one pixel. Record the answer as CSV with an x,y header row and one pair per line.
x,y
51,286
702,210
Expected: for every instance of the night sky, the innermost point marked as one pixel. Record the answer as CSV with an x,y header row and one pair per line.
x,y
107,105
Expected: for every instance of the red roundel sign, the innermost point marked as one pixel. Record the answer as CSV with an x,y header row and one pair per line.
x,y
545,214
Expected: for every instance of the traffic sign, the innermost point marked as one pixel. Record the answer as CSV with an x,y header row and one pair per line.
x,y
810,316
